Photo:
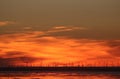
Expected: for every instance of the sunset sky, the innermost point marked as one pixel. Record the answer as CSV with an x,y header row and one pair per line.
x,y
50,32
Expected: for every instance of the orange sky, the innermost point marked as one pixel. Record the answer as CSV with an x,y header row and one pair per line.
x,y
59,32
39,49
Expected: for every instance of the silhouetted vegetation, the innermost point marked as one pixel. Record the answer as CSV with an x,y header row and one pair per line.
x,y
68,69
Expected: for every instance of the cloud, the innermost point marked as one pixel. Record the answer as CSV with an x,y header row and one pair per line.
x,y
27,28
114,47
65,28
53,49
18,58
18,61
12,54
113,43
4,23
37,34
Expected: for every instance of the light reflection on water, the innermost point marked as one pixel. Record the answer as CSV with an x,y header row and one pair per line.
x,y
59,75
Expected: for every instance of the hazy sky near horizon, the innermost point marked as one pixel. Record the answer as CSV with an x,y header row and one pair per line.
x,y
59,30
101,17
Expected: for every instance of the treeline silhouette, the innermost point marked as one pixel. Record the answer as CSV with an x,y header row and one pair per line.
x,y
68,64
57,69
110,67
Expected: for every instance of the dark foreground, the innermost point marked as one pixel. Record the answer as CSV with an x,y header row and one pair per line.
x,y
59,69
59,75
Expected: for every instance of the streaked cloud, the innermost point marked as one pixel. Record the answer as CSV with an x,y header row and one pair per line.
x,y
65,28
4,23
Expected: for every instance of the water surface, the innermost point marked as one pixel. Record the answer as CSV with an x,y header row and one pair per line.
x,y
59,75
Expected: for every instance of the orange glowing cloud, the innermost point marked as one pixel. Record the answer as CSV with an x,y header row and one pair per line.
x,y
4,23
65,28
60,50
